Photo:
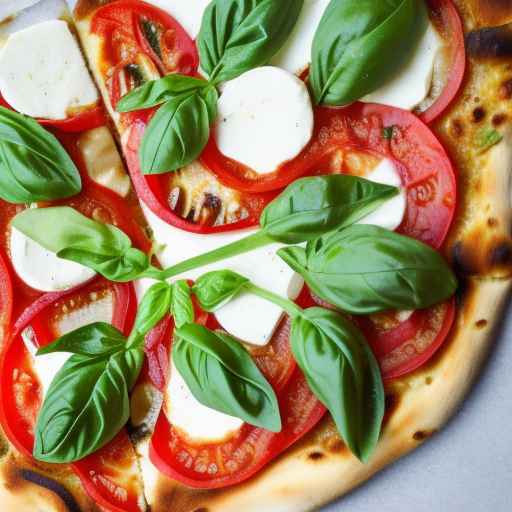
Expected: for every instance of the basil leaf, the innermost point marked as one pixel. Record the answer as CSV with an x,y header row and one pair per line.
x,y
343,373
215,289
94,339
155,304
159,91
360,44
311,207
487,138
367,269
33,164
222,375
182,308
176,135
86,406
238,35
211,98
73,236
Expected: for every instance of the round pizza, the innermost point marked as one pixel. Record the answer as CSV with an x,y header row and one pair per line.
x,y
252,251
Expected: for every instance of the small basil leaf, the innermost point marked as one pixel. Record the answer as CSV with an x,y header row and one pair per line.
x,y
86,406
343,373
360,44
311,207
221,375
215,289
211,98
155,304
182,308
367,269
159,91
94,339
33,164
487,138
238,35
176,135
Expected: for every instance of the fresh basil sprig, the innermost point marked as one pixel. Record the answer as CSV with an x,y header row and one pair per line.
x,y
366,269
238,35
360,44
33,164
215,289
73,236
222,375
343,373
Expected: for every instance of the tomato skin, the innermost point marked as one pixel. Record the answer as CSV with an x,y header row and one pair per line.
x,y
6,303
454,32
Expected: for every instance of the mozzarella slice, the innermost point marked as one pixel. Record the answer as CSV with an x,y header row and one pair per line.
x,y
412,83
197,421
295,55
265,118
42,269
247,317
43,73
391,214
10,8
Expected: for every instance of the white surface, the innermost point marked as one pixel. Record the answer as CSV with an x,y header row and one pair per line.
x,y
199,422
12,7
265,118
43,73
467,467
247,317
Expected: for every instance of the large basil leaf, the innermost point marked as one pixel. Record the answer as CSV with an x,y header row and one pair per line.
x,y
86,406
221,375
176,135
73,236
33,164
159,91
182,308
217,288
155,304
343,373
238,35
94,339
311,207
360,44
367,269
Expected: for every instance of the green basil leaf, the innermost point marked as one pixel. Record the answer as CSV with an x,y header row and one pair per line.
x,y
211,98
33,164
86,406
367,269
73,236
182,308
222,375
360,44
94,339
343,373
176,135
155,304
238,35
215,289
487,138
311,207
159,91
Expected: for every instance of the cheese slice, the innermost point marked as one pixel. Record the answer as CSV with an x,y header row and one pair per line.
x,y
265,118
42,269
43,73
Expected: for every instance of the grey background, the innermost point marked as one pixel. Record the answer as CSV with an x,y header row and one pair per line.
x,y
465,467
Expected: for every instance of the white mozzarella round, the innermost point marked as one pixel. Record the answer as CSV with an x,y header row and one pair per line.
x,y
43,73
12,7
391,214
197,421
42,269
265,118
412,83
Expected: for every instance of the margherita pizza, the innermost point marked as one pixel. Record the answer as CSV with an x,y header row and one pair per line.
x,y
252,251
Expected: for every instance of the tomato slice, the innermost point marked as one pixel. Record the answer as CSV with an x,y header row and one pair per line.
x,y
103,474
5,299
450,25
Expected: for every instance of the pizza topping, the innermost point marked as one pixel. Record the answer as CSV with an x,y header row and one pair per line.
x,y
487,138
9,8
36,83
265,118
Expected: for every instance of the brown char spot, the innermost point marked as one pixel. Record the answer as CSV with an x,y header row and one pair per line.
x,y
316,456
428,381
481,324
457,128
499,119
201,509
478,114
490,42
461,263
336,445
506,90
421,435
501,254
492,222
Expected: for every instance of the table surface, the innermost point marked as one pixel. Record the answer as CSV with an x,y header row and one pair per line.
x,y
465,467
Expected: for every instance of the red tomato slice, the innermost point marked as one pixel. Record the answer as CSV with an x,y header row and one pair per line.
x,y
5,299
103,474
450,24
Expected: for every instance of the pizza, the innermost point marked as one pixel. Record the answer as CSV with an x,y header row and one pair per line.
x,y
252,251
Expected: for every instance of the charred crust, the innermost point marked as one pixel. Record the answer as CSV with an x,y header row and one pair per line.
x,y
460,294
506,90
421,435
201,509
481,324
490,42
316,456
501,255
499,119
478,114
457,128
53,486
461,263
